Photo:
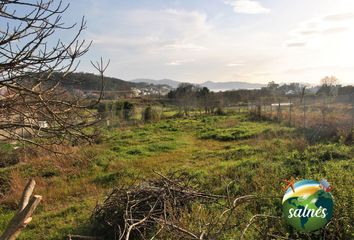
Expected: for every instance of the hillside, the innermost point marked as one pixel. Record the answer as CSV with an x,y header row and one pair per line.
x,y
89,81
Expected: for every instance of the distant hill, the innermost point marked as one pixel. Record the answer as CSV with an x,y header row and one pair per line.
x,y
90,81
224,86
214,86
90,84
169,82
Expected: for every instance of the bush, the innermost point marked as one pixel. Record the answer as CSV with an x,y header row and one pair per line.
x,y
128,110
134,152
219,111
101,109
150,115
9,156
97,136
107,179
4,185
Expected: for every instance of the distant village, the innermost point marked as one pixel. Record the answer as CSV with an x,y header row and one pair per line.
x,y
148,90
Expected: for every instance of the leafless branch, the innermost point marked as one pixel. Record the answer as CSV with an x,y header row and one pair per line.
x,y
35,105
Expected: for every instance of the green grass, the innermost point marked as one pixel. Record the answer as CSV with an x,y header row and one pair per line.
x,y
6,147
212,150
241,130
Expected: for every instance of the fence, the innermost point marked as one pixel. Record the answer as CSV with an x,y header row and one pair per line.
x,y
335,114
308,112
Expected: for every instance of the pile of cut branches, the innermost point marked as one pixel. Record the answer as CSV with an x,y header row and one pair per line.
x,y
170,208
138,211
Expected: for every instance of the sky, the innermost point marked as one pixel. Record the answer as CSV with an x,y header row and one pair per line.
x,y
220,40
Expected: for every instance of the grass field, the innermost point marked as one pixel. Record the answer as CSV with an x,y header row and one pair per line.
x,y
213,151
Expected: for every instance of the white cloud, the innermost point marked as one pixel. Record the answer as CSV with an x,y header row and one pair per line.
x,y
235,64
316,30
340,16
183,46
295,44
247,6
179,62
153,30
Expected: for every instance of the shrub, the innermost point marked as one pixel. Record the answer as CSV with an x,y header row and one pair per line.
x,y
49,172
97,136
4,184
150,115
128,110
107,179
9,156
101,109
219,111
134,152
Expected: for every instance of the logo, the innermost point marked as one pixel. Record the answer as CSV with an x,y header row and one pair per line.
x,y
307,204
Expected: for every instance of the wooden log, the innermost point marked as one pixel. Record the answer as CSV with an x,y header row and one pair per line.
x,y
26,194
28,203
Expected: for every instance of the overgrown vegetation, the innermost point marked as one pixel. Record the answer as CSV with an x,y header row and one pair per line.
x,y
222,155
224,168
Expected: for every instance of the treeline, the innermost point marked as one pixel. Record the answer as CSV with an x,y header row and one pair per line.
x,y
188,96
274,93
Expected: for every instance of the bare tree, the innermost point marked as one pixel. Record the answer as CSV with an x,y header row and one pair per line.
x,y
185,97
329,81
328,89
34,106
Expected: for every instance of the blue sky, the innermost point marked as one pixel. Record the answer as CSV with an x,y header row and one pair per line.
x,y
220,40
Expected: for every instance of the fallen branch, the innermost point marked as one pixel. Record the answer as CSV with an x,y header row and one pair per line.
x,y
72,237
28,203
252,220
